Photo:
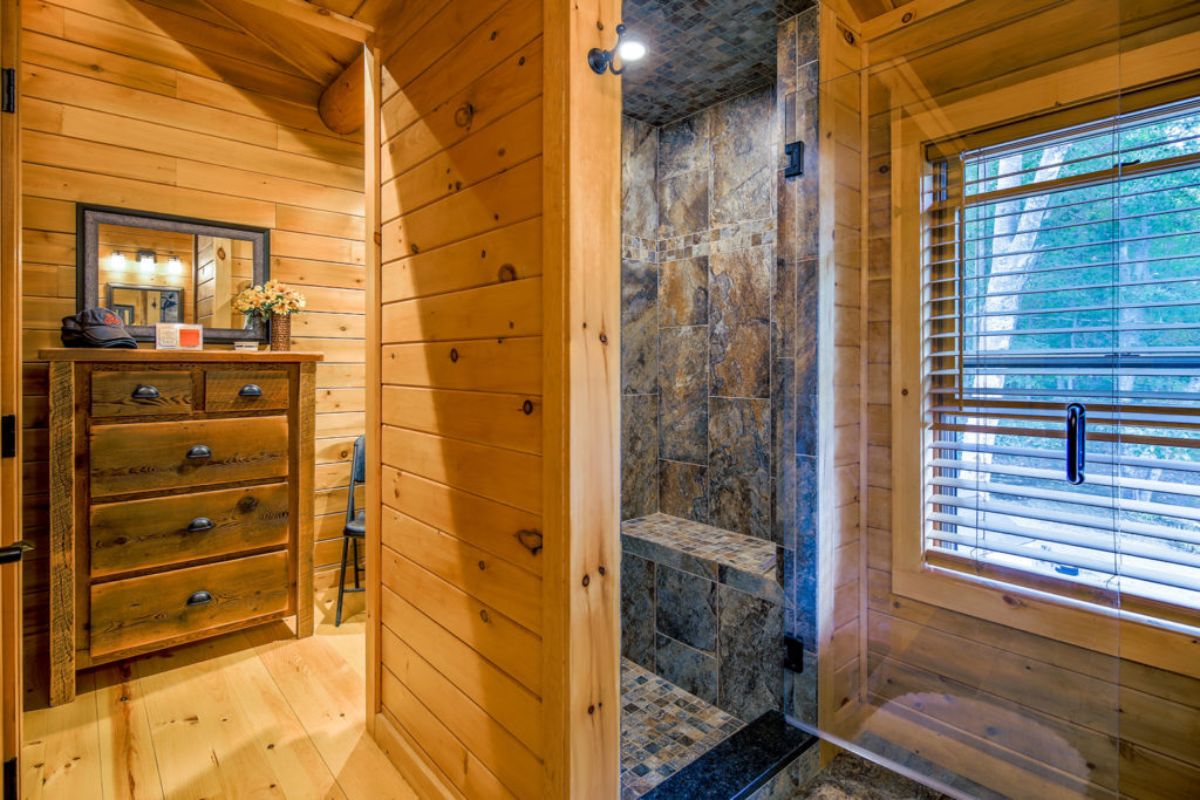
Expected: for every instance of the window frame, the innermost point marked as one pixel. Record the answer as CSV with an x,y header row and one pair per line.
x,y
1090,92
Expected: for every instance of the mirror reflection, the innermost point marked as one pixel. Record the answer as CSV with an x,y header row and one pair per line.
x,y
150,268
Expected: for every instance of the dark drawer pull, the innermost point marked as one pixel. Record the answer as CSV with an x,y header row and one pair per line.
x,y
201,524
199,598
250,390
144,391
200,451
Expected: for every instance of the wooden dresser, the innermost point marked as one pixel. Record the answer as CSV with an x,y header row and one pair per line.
x,y
181,499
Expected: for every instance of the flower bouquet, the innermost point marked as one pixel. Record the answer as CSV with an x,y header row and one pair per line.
x,y
275,302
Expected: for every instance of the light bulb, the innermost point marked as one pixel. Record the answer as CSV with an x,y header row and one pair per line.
x,y
631,51
116,262
174,266
146,264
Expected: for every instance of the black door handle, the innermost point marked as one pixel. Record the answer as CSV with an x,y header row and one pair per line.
x,y
1076,442
199,598
200,451
14,552
201,524
144,391
250,390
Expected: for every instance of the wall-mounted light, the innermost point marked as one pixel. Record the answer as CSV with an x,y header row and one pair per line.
x,y
602,60
146,262
174,266
116,262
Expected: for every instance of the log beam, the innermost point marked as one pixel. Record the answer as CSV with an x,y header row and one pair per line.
x,y
341,104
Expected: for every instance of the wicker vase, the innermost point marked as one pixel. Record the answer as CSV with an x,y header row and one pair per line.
x,y
281,332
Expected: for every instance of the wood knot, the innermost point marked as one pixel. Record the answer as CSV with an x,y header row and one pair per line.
x,y
587,581
483,615
507,273
603,338
465,115
600,569
454,355
531,540
482,565
907,18
849,37
527,407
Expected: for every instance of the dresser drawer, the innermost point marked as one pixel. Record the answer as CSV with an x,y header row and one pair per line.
x,y
143,534
148,456
239,390
136,612
128,393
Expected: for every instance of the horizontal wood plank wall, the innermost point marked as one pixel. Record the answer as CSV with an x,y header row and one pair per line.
x,y
461,407
840,356
168,107
1021,714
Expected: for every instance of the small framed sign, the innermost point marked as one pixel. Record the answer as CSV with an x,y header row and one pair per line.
x,y
178,336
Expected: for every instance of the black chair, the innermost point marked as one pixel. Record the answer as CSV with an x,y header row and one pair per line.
x,y
356,523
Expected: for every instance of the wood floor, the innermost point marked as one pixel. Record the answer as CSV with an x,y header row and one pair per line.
x,y
254,714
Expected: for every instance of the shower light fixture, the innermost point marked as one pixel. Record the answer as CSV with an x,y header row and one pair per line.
x,y
602,60
146,262
116,262
174,266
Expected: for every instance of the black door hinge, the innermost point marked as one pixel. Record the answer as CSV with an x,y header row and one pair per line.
x,y
10,779
10,91
795,159
8,436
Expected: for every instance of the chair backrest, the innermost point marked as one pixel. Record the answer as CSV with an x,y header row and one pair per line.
x,y
358,474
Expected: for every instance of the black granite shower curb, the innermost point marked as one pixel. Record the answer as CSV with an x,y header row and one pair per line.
x,y
738,766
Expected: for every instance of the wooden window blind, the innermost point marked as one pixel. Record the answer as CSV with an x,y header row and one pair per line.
x,y
1065,268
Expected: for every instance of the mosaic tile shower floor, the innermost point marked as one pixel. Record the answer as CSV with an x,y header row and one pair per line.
x,y
663,729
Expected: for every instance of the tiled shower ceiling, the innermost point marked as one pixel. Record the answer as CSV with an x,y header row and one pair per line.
x,y
700,52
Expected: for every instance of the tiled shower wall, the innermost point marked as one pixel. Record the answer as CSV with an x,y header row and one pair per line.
x,y
697,331
719,355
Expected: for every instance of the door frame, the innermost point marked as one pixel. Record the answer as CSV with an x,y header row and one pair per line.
x,y
10,402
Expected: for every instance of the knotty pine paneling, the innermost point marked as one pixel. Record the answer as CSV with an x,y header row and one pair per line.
x,y
461,328
168,109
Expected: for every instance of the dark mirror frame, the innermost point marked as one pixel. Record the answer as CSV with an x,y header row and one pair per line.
x,y
88,220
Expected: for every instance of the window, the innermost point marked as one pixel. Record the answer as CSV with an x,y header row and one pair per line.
x,y
1065,268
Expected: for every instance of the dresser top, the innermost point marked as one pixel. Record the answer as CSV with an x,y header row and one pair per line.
x,y
147,355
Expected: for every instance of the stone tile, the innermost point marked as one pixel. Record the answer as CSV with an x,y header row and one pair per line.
x,y
805,605
807,309
683,204
683,394
783,309
848,777
683,292
787,782
684,145
742,156
749,648
740,319
807,27
807,496
741,503
639,455
664,539
637,610
639,165
807,433
639,327
683,490
686,608
739,435
688,668
783,448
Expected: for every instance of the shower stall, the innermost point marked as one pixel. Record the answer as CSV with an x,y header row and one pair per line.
x,y
909,348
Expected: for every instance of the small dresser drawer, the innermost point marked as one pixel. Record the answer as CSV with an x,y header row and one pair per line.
x,y
136,612
143,534
234,390
149,456
127,393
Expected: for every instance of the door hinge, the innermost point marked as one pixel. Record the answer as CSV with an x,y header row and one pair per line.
x,y
8,436
9,102
10,779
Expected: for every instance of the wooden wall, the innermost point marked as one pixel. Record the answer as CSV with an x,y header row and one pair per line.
x,y
496,652
1021,714
841,360
171,108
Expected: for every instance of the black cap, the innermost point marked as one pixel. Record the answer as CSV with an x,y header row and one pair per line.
x,y
95,327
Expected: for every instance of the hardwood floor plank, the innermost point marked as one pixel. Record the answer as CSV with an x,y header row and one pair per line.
x,y
61,752
128,763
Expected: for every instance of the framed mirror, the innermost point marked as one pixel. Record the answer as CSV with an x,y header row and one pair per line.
x,y
150,268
